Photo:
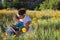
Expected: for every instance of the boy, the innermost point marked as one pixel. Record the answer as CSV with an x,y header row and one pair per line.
x,y
24,18
18,24
15,28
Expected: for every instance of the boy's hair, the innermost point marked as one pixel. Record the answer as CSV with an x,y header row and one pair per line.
x,y
17,17
22,11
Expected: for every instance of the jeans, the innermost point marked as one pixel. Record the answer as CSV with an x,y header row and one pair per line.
x,y
10,31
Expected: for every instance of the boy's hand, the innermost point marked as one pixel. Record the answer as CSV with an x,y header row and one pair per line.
x,y
27,25
17,32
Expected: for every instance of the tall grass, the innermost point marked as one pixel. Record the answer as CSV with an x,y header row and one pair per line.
x,y
45,24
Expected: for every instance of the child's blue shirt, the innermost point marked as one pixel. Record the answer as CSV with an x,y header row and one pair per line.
x,y
18,25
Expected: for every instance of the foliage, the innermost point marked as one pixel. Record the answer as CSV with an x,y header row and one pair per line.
x,y
49,4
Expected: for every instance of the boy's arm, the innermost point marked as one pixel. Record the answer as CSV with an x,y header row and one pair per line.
x,y
12,25
27,25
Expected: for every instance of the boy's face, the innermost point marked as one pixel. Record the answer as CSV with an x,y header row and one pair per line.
x,y
21,16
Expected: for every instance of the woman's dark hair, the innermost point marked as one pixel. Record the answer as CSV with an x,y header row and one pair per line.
x,y
22,11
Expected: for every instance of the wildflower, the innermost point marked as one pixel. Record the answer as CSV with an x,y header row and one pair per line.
x,y
24,29
13,36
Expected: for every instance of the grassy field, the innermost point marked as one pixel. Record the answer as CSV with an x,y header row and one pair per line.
x,y
45,24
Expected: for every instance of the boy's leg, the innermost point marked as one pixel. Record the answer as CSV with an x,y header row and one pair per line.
x,y
10,31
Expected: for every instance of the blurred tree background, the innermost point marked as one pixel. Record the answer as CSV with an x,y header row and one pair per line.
x,y
30,4
49,4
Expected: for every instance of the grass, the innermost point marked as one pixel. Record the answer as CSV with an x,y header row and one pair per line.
x,y
45,24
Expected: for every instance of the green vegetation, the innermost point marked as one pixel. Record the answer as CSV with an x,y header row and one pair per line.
x,y
44,28
49,4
